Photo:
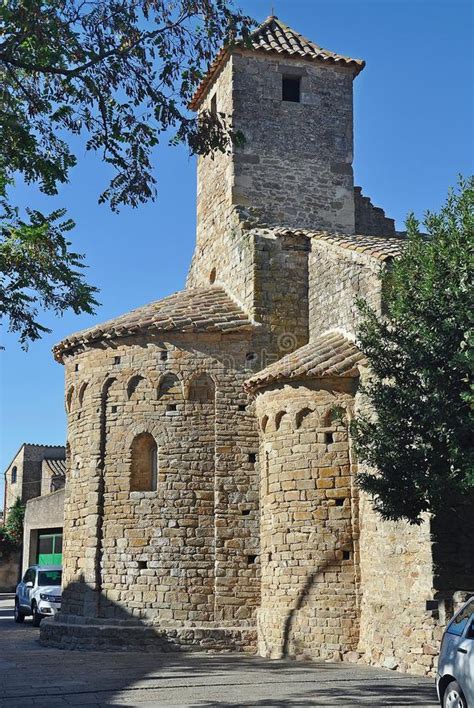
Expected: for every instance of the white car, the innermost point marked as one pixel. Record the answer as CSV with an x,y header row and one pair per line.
x,y
455,680
39,593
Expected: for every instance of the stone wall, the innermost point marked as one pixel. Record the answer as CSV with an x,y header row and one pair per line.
x,y
13,489
337,278
369,219
309,528
296,165
412,580
28,463
398,631
187,553
9,569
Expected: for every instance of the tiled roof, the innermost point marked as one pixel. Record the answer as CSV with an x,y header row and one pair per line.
x,y
195,310
332,354
57,467
380,247
274,36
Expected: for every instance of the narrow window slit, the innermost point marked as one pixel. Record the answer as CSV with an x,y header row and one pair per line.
x,y
291,89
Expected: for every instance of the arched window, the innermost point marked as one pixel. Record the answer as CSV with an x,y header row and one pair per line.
x,y
301,415
202,389
144,471
133,384
170,392
278,419
14,470
82,392
69,399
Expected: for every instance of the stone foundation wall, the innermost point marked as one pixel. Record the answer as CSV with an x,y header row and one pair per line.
x,y
94,637
397,629
309,532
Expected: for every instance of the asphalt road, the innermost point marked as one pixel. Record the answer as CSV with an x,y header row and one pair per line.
x,y
31,675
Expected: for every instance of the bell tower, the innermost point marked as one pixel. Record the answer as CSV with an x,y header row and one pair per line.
x,y
292,100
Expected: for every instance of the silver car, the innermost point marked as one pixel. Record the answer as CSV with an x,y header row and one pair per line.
x,y
455,680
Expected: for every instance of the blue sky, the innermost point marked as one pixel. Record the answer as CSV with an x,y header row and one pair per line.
x,y
413,136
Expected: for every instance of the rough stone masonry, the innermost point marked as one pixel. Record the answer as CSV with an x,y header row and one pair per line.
x,y
210,497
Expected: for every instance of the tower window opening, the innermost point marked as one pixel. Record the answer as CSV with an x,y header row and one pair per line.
x,y
13,475
328,438
212,276
291,89
214,105
163,356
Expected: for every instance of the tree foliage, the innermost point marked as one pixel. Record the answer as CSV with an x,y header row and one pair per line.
x,y
420,352
11,534
119,73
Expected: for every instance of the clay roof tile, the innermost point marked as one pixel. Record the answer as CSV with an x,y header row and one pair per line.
x,y
274,36
381,248
331,354
194,310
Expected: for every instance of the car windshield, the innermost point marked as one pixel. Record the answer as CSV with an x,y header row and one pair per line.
x,y
49,577
459,623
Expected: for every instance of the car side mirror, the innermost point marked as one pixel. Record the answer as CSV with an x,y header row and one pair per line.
x,y
29,584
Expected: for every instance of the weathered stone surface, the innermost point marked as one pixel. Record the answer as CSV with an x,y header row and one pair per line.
x,y
197,517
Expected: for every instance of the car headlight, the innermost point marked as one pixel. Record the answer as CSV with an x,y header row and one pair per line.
x,y
48,598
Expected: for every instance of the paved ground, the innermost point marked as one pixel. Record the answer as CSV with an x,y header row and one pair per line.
x,y
31,675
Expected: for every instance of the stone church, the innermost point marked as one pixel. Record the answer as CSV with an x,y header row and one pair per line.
x,y
210,498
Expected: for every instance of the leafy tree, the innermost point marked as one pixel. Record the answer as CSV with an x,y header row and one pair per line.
x,y
11,534
119,73
420,352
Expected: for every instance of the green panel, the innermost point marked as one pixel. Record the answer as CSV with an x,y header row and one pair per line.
x,y
50,546
50,559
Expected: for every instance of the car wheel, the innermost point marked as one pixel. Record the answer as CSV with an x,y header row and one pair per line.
x,y
453,696
36,616
17,613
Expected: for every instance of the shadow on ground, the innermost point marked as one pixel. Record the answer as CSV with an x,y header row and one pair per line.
x,y
31,675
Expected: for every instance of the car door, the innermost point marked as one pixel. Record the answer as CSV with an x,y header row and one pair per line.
x,y
22,589
459,650
30,577
464,664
